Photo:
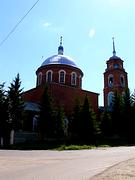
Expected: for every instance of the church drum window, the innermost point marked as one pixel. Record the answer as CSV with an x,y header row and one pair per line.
x,y
62,74
73,78
49,76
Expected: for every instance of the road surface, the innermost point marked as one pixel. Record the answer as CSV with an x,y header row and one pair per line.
x,y
60,165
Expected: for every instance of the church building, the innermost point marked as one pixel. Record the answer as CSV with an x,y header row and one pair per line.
x,y
64,79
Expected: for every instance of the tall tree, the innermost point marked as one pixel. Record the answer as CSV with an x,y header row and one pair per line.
x,y
46,125
75,127
61,126
3,103
106,124
128,123
88,121
3,112
116,113
15,103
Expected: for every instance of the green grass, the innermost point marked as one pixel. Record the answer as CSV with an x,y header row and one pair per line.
x,y
59,147
74,147
67,145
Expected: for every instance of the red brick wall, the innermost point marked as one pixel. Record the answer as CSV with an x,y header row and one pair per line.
x,y
63,95
56,68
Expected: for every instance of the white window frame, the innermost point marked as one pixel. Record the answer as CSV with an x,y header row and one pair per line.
x,y
47,73
62,71
73,78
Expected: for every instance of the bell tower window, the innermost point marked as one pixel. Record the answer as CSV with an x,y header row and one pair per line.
x,y
110,99
73,78
62,75
116,66
122,81
49,76
110,80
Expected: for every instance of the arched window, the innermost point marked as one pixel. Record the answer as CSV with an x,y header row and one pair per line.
x,y
110,80
110,99
122,80
49,76
62,75
73,78
39,79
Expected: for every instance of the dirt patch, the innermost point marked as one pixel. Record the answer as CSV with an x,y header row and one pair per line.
x,y
122,171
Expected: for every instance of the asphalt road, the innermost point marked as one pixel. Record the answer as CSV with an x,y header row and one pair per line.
x,y
60,165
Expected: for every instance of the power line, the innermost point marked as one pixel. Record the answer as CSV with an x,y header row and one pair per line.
x,y
14,28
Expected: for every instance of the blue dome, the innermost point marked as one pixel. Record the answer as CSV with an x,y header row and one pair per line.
x,y
59,59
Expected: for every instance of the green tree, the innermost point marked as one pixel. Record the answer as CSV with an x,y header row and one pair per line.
x,y
15,103
46,120
75,127
3,113
3,104
106,124
116,114
60,123
128,113
89,126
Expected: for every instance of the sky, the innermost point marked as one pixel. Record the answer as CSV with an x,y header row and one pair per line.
x,y
87,27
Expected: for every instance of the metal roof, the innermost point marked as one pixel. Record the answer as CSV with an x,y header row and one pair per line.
x,y
59,59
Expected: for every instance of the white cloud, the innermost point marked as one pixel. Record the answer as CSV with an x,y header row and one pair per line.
x,y
47,24
92,33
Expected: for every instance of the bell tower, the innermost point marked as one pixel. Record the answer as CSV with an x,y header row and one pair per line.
x,y
115,78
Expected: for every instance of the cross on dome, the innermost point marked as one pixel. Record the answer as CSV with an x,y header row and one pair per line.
x,y
60,48
61,41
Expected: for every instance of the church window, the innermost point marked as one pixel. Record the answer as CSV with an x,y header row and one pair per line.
x,y
110,99
110,80
62,75
116,66
49,76
39,79
122,81
73,78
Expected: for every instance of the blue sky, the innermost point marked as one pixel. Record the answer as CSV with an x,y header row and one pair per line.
x,y
87,27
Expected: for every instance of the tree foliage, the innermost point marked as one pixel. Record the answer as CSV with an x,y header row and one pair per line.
x,y
3,111
60,123
84,123
75,127
51,118
15,103
106,124
46,126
